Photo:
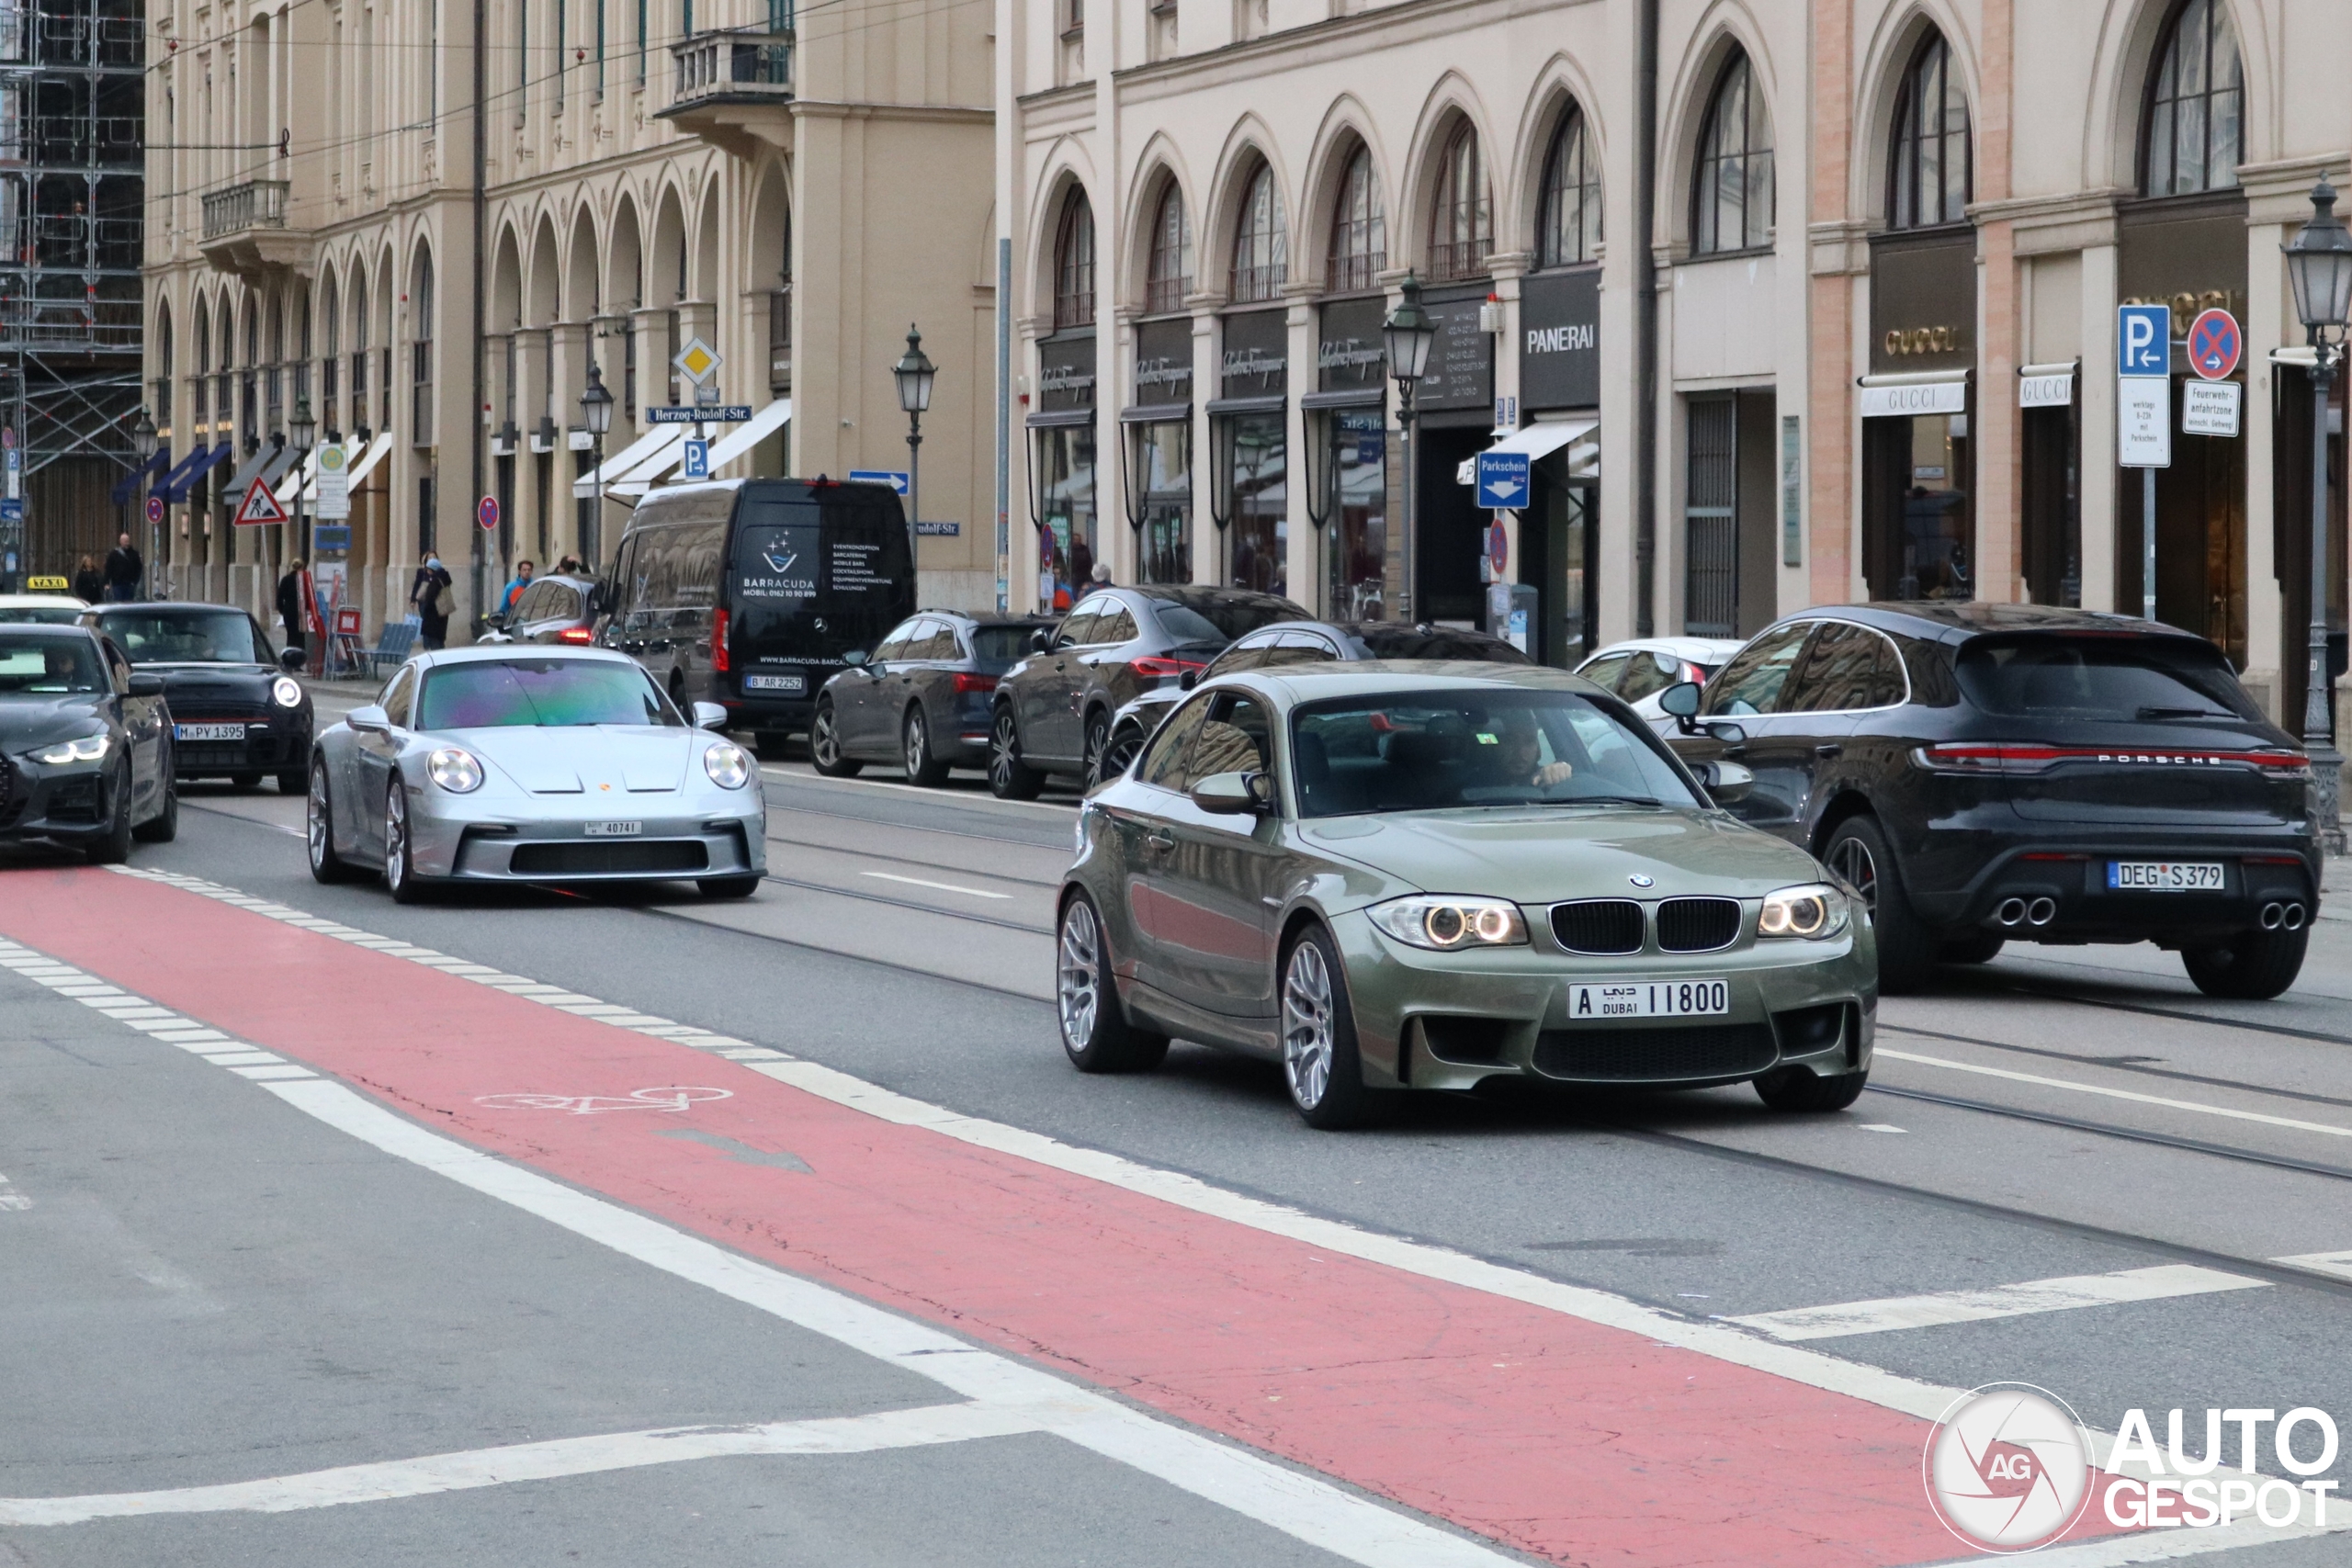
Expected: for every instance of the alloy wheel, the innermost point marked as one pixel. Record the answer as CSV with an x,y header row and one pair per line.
x,y
395,836
1850,859
1122,754
1078,974
918,743
1306,1025
824,740
1001,752
316,829
1098,751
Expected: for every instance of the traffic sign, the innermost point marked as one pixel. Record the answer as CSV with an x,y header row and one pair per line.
x,y
334,482
12,510
706,413
698,460
260,505
486,511
2143,421
2215,344
698,362
2210,408
330,536
1498,545
1502,480
2142,340
154,509
895,478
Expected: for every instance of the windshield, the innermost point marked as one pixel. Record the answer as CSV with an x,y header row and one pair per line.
x,y
49,666
41,614
558,692
188,637
1423,751
2126,679
1222,620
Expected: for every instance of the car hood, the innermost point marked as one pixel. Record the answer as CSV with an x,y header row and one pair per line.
x,y
585,758
28,722
1544,855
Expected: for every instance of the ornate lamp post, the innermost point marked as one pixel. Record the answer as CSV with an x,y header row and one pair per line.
x,y
1407,334
2318,266
914,373
596,415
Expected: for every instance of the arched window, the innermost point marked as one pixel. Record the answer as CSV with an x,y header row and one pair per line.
x,y
1170,277
1261,242
2197,108
420,409
1731,190
1074,265
1461,219
1932,175
1359,228
1567,227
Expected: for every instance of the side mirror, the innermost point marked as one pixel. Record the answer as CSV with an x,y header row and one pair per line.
x,y
1726,782
146,686
1235,794
1189,679
709,716
1041,640
1727,732
371,719
854,658
1680,701
291,660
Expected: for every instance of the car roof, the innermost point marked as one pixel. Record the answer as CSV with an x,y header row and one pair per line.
x,y
1697,650
166,607
989,618
496,652
1961,619
46,629
42,602
1191,594
1371,677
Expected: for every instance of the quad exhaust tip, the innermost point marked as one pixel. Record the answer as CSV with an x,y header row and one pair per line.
x,y
2282,917
2011,913
2041,911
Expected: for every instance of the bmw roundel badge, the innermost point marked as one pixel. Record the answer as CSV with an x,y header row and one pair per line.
x,y
1638,880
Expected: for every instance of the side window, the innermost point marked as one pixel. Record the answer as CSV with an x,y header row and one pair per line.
x,y
563,601
1837,674
940,645
1117,625
119,667
1604,671
1300,648
532,603
698,551
1253,652
1888,687
1077,626
1752,682
624,588
1235,739
397,694
901,638
1648,674
1163,761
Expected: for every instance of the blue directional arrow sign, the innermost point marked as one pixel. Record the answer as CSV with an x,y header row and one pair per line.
x,y
1502,480
895,478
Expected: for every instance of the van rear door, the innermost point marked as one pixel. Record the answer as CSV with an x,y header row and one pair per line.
x,y
813,576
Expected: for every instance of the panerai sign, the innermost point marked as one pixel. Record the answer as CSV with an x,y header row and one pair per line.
x,y
1559,347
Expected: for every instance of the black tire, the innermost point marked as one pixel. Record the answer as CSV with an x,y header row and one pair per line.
x,y
317,832
294,781
245,781
1977,947
164,826
1858,852
2256,966
1126,743
825,746
1010,778
399,873
113,846
924,767
1321,1066
773,745
728,886
1094,1027
1803,1090
1098,747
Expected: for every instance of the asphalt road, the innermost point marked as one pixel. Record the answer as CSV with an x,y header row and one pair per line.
x,y
207,1287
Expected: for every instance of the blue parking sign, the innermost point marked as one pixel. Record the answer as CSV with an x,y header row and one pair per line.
x,y
1502,480
698,460
2143,340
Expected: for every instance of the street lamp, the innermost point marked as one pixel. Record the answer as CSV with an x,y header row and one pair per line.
x,y
915,374
2318,266
305,428
596,413
143,438
1407,334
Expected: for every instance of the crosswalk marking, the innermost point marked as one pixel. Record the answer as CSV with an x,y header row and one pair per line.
x,y
1999,1300
2336,1263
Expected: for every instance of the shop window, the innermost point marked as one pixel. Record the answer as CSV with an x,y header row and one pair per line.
x,y
1171,276
1074,264
1568,226
1261,242
1359,228
2196,106
1461,219
1930,163
1731,190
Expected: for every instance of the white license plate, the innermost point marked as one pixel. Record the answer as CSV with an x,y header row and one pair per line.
x,y
1648,999
615,830
2165,875
207,732
775,682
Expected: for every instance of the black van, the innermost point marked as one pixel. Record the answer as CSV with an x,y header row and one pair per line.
x,y
746,592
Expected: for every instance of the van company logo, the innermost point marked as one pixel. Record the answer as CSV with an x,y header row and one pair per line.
x,y
779,563
2009,1467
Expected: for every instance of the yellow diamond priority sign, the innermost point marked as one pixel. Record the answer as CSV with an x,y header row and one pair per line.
x,y
697,362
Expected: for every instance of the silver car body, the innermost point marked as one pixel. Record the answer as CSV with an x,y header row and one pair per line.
x,y
560,799
1708,653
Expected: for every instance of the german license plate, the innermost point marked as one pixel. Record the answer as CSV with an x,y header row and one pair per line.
x,y
2164,875
207,732
615,830
775,682
1648,999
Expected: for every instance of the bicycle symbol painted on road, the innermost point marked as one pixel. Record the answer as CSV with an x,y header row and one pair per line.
x,y
674,1098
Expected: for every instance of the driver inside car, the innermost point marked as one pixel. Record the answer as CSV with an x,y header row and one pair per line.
x,y
1512,748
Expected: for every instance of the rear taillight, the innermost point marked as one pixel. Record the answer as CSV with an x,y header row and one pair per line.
x,y
964,683
575,634
1152,666
2012,757
719,641
1693,675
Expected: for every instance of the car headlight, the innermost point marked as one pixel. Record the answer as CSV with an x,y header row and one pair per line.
x,y
285,692
1813,911
1447,924
725,762
454,770
83,748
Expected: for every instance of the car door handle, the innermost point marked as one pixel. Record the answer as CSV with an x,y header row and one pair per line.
x,y
1161,839
1829,748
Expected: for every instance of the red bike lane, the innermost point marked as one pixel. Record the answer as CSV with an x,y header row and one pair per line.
x,y
1570,1440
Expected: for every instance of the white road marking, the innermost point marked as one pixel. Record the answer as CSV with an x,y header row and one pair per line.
x,y
2000,1301
1061,809
1878,1127
538,1461
943,886
2200,1107
12,1201
2336,1263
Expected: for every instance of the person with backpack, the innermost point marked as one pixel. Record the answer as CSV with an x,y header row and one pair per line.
x,y
434,598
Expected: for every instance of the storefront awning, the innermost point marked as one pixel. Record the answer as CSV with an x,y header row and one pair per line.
x,y
1346,398
365,462
2046,385
1925,391
1538,441
159,460
275,470
723,451
292,484
636,454
180,481
242,480
1055,418
1156,413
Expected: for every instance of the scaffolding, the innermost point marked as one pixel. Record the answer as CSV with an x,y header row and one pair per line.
x,y
72,112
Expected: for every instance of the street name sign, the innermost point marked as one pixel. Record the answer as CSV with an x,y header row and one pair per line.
x,y
706,413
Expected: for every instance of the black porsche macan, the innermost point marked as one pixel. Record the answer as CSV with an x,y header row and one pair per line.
x,y
236,712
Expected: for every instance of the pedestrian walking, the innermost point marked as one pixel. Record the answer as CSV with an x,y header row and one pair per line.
x,y
89,583
289,604
432,595
124,571
514,589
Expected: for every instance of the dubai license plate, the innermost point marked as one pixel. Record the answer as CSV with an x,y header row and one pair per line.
x,y
615,830
775,682
1648,999
2165,875
207,732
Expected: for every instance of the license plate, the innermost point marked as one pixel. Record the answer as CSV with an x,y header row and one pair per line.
x,y
775,682
2165,875
615,830
207,732
1648,999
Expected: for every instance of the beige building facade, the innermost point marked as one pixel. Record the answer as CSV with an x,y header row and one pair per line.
x,y
332,223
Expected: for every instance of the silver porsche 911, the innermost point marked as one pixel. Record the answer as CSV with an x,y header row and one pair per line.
x,y
545,766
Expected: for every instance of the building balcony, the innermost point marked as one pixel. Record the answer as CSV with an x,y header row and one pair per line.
x,y
245,230
732,87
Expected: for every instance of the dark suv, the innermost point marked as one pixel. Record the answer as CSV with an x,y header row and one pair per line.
x,y
1053,709
1989,772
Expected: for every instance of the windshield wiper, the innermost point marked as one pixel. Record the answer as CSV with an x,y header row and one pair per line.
x,y
1598,800
2184,713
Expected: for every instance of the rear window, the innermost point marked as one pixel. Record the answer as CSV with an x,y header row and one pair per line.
x,y
1003,644
2125,679
1437,642
1222,620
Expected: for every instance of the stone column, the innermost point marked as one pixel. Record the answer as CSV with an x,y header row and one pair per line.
x,y
530,402
571,349
1303,563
